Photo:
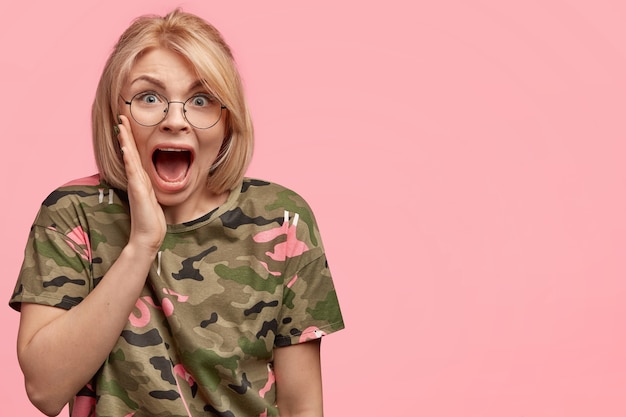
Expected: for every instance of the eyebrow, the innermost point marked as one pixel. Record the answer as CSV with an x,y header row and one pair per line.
x,y
150,80
161,85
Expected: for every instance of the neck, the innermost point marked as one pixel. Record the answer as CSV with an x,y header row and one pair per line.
x,y
193,210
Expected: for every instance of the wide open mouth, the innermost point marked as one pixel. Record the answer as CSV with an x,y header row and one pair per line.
x,y
172,164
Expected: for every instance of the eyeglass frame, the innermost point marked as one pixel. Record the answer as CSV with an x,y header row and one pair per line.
x,y
167,109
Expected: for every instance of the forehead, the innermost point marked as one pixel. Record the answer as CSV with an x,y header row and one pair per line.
x,y
164,69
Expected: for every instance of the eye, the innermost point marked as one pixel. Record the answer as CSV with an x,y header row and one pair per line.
x,y
201,100
148,98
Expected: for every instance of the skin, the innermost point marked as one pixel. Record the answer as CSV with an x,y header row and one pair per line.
x,y
51,341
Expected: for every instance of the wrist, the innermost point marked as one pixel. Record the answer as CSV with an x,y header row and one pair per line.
x,y
139,254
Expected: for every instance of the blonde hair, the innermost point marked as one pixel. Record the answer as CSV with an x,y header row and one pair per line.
x,y
203,46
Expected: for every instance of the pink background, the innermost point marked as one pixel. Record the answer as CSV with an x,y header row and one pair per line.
x,y
465,160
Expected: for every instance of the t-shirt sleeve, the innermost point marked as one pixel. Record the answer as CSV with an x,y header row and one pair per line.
x,y
310,307
56,265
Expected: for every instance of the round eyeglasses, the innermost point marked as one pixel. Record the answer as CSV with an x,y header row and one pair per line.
x,y
148,108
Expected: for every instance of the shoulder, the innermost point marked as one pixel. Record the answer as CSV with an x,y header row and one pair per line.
x,y
86,191
78,189
272,196
267,204
71,202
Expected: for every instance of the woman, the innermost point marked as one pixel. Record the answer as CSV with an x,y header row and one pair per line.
x,y
169,284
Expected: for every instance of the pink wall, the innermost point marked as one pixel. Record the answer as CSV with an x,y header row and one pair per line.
x,y
465,160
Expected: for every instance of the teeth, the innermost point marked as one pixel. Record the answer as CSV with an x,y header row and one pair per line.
x,y
172,150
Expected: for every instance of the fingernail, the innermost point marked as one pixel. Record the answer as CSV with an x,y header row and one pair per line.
x,y
119,119
116,130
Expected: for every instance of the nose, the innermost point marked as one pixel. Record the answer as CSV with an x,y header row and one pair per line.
x,y
175,119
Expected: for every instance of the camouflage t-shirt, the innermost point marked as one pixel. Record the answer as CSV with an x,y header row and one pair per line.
x,y
224,291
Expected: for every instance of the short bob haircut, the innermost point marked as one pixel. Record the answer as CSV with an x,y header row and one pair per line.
x,y
203,46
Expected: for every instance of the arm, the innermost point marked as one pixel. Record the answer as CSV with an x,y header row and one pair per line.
x,y
299,380
59,351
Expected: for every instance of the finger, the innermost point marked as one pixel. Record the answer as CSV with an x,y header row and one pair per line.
x,y
125,135
130,155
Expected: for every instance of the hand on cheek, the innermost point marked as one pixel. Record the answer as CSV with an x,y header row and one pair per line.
x,y
148,224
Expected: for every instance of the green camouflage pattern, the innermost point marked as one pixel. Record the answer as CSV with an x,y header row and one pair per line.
x,y
224,291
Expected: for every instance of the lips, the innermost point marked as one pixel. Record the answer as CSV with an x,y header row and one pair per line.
x,y
172,164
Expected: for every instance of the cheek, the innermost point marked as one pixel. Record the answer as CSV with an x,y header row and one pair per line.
x,y
212,141
124,110
140,133
141,142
